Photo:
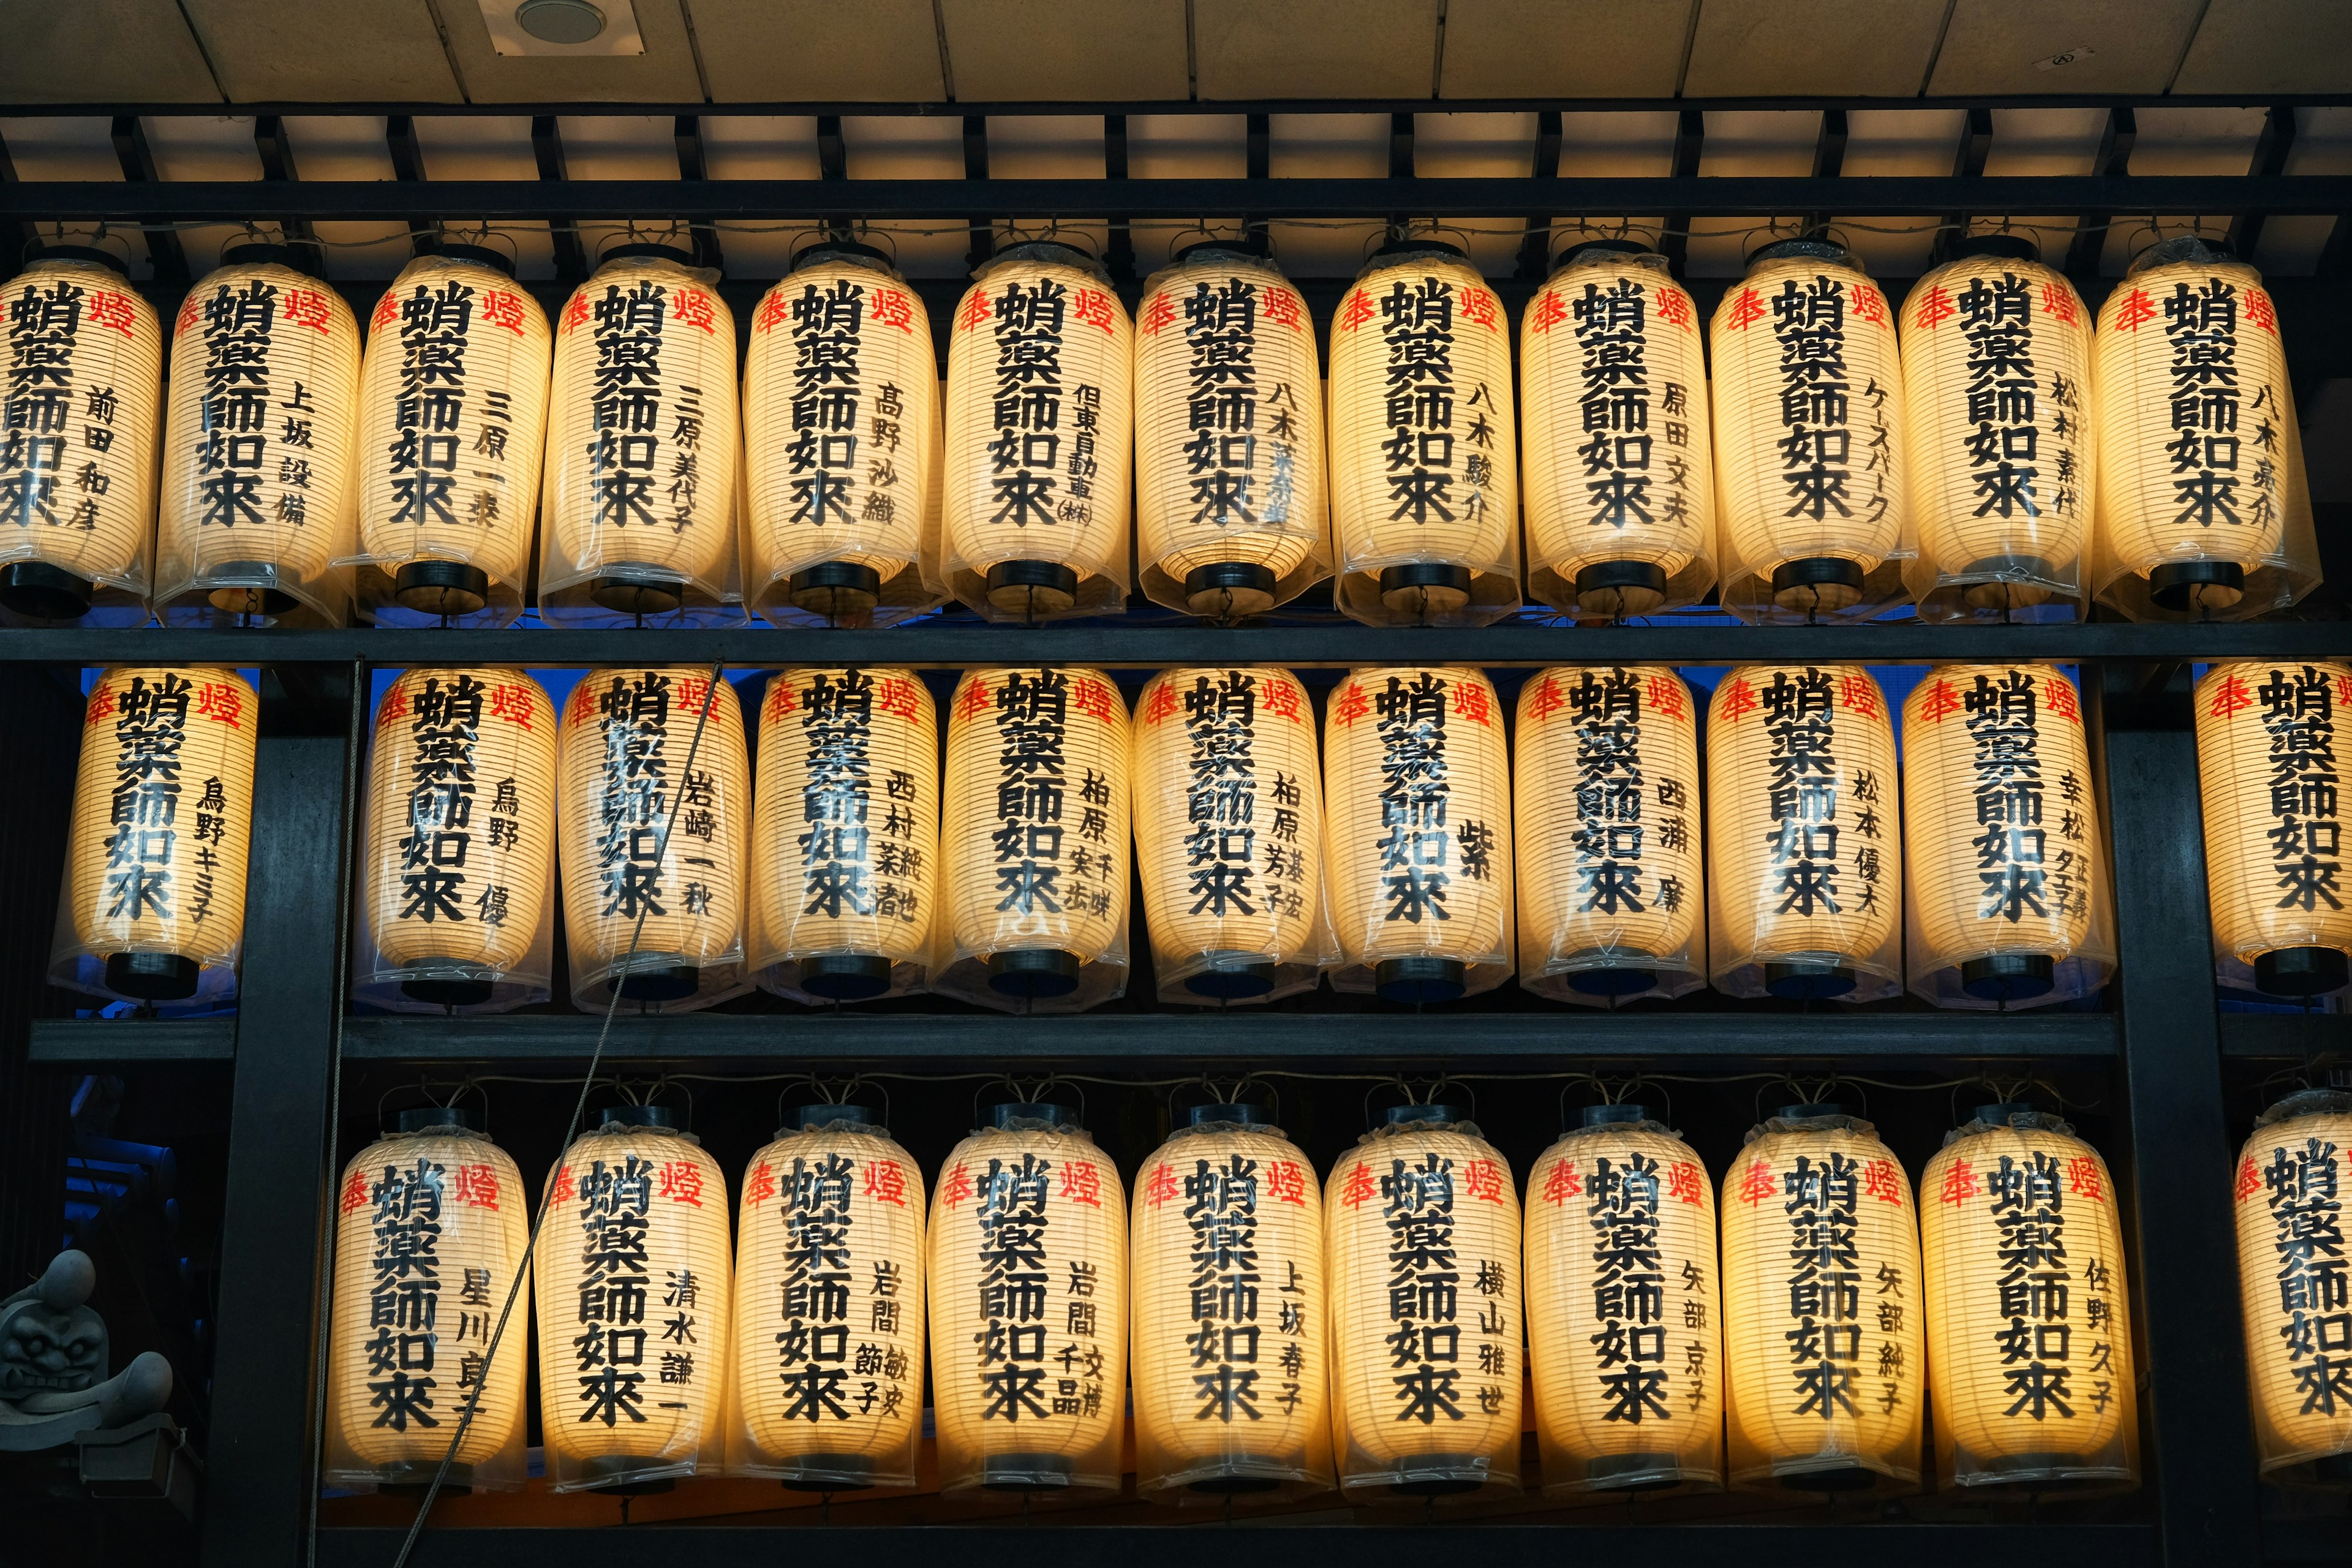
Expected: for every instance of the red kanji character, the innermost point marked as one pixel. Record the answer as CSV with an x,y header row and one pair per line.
x,y
1881,1181
1682,1183
692,305
2058,696
2058,299
1285,1183
478,1186
1353,705
2343,692
1283,308
693,696
501,308
2249,1181
1746,311
189,308
222,703
1739,699
1483,1179
1478,306
1869,305
2084,1178
101,705
1160,1186
894,307
1665,696
1162,704
1561,1185
1357,1188
782,699
307,308
1960,1183
898,695
1354,309
355,1190
563,1191
1471,702
2136,310
387,310
1081,1183
583,703
1935,307
1091,697
1755,1184
513,704
395,707
2259,311
1547,312
1675,309
758,1185
1860,693
956,1187
886,1182
681,1181
1940,702
973,702
1547,699
1284,700
1093,307
575,312
775,311
1161,312
974,311
2230,696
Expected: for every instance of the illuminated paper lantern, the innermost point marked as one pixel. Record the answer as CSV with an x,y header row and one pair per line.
x,y
646,846
1821,1300
2028,1325
430,1232
1422,1218
845,834
639,517
153,900
632,1307
1621,475
1028,1309
260,486
1624,1308
85,356
2289,1190
2008,886
1804,858
1034,841
1229,828
1610,878
1808,439
1424,470
1231,514
2265,764
453,423
2204,511
1417,833
1040,427
829,1307
1231,1357
841,420
1997,402
457,872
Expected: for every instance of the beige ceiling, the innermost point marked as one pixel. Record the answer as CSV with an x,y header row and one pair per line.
x,y
1763,48
1572,48
2005,46
248,43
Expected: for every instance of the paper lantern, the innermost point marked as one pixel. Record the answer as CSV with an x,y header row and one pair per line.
x,y
1422,1218
430,1232
649,850
1033,842
1804,858
829,1307
2008,886
452,426
2290,1191
2029,1324
1624,1308
1229,828
260,486
1231,514
845,834
841,419
1610,876
1809,440
634,1301
1823,1302
2265,764
1040,425
155,849
2204,512
1997,402
1621,477
457,874
1424,471
78,462
1230,1358
643,446
1417,833
1028,1297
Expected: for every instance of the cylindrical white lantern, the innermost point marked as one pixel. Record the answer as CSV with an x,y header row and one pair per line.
x,y
2293,1176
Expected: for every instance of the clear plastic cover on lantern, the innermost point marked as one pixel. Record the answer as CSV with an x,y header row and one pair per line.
x,y
636,1214
1033,842
2005,891
1231,1367
431,1230
845,834
1808,439
1228,835
1417,833
457,868
452,428
1804,844
841,424
2204,508
1424,1403
81,485
2289,1190
660,868
1040,419
1029,1395
1611,882
2030,1362
1998,413
151,907
1822,1391
829,1400
641,507
1231,518
1624,1308
1424,446
259,495
1620,468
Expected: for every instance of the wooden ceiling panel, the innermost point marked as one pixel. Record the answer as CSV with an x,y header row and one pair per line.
x,y
2269,45
100,51
819,51
1039,51
1315,49
1782,48
324,51
1564,48
2062,46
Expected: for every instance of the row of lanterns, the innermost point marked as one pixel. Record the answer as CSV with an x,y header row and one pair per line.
x,y
1392,858
1981,450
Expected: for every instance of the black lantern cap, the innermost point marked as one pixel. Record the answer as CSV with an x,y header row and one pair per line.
x,y
96,254
1814,246
660,1116
1612,1115
1417,247
1247,1115
430,1118
488,256
1005,1116
1416,1115
1248,245
807,1116
1601,248
1998,1113
826,249
1809,1109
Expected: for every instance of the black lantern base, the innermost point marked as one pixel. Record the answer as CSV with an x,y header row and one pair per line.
x,y
846,976
413,1478
828,1473
1233,1486
38,591
1439,1476
1027,587
2004,591
1425,588
1034,974
837,590
1418,979
153,976
1808,982
1614,982
1233,982
1228,589
437,991
2334,1470
2302,971
1839,1479
1620,588
261,600
630,589
670,983
1633,1472
1817,583
2009,976
441,588
1027,1472
2039,1471
2183,585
